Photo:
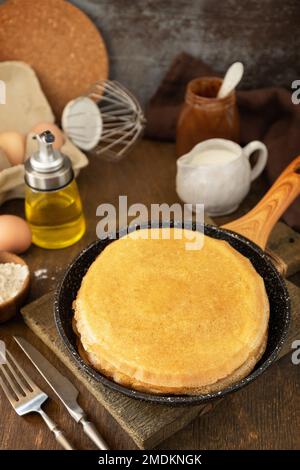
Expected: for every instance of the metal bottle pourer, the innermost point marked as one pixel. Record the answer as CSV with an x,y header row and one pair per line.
x,y
47,169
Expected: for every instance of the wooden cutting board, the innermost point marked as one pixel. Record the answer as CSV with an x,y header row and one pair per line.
x,y
149,424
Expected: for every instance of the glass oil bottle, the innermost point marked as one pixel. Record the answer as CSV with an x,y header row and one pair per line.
x,y
52,202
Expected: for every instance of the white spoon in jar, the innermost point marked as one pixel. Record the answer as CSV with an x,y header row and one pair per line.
x,y
232,78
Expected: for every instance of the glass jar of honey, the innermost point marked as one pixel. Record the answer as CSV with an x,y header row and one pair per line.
x,y
204,116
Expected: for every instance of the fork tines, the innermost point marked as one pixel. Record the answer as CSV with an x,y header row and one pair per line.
x,y
14,381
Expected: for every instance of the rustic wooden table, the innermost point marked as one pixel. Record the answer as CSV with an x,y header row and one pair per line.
x,y
264,415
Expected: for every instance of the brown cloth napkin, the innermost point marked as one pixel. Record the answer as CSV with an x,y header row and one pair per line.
x,y
267,114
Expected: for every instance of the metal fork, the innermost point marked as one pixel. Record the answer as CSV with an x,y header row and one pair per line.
x,y
25,396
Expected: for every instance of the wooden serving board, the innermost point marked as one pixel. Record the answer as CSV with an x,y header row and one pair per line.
x,y
149,424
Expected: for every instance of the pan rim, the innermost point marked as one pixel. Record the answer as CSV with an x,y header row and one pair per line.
x,y
172,399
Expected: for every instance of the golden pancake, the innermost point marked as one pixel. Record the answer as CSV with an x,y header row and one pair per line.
x,y
158,317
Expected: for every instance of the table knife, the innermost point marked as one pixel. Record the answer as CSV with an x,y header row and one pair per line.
x,y
64,389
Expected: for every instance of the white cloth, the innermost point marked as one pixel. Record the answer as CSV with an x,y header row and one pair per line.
x,y
25,106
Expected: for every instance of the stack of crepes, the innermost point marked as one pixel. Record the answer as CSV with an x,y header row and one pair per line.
x,y
157,317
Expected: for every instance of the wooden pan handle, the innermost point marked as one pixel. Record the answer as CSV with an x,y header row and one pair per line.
x,y
259,222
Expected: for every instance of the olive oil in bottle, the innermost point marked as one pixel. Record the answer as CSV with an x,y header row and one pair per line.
x,y
52,202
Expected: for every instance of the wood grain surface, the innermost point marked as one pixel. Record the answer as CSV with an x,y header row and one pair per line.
x,y
146,423
264,415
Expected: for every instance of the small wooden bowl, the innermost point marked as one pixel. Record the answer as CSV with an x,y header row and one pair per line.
x,y
10,307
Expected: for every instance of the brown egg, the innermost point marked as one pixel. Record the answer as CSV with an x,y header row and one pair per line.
x,y
13,144
4,162
15,234
58,134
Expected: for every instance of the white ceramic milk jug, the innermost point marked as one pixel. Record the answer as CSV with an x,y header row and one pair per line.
x,y
218,174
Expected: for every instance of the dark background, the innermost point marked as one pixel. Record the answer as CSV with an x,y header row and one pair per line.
x,y
144,36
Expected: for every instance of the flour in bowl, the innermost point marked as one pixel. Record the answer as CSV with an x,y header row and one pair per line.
x,y
12,277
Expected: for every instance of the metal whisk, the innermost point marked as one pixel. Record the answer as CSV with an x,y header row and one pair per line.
x,y
122,116
108,120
